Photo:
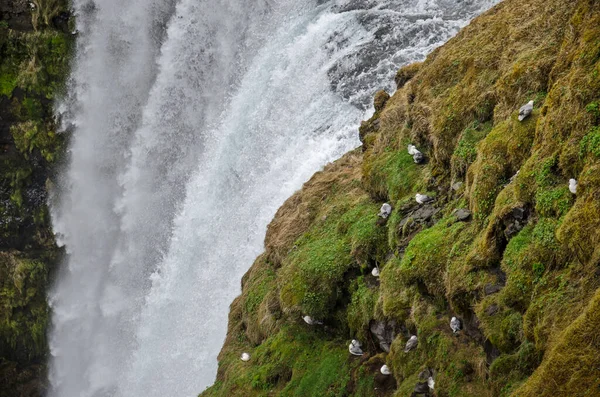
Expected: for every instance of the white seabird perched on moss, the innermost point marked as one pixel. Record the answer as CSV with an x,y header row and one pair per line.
x,y
525,111
411,343
245,357
573,185
354,348
385,211
423,198
418,157
375,272
311,321
385,370
455,325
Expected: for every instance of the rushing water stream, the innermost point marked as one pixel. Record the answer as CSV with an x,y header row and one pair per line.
x,y
193,120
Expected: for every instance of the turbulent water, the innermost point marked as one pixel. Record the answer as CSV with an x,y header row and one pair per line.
x,y
192,122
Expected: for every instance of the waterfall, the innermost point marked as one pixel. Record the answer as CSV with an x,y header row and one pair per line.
x,y
192,121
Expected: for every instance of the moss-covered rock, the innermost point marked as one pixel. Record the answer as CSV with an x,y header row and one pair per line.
x,y
34,57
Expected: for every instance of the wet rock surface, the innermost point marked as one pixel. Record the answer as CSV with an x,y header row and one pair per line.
x,y
384,332
17,14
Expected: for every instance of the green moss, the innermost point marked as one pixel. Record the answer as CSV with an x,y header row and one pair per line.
x,y
590,144
361,308
571,366
500,156
392,174
466,150
424,262
23,307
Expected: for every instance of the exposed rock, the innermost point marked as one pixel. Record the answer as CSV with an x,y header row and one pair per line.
x,y
384,332
422,215
463,215
490,289
519,213
17,13
422,389
61,22
492,309
515,221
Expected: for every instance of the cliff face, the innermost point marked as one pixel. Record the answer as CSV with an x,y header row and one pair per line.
x,y
35,42
522,272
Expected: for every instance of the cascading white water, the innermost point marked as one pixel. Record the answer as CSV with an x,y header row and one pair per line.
x,y
192,122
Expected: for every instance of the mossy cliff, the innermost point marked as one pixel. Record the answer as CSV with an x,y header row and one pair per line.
x,y
522,272
34,47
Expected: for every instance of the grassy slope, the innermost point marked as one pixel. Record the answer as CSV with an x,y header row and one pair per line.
x,y
33,66
537,335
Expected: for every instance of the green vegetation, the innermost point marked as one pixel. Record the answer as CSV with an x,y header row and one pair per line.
x,y
33,70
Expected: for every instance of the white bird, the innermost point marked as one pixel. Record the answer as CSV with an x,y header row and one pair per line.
x,y
417,155
385,211
455,324
354,348
411,344
423,198
525,111
573,186
245,357
311,321
430,383
385,370
375,272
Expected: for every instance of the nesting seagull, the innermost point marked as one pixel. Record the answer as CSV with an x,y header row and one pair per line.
x,y
455,325
245,357
525,111
423,198
375,272
411,344
385,211
311,321
430,383
417,155
354,348
385,370
573,185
